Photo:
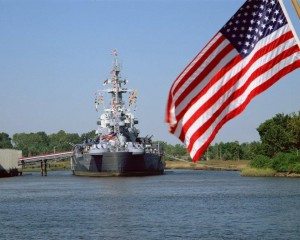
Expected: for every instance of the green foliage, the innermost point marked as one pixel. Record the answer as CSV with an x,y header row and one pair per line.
x,y
173,152
258,172
61,140
31,144
280,134
5,141
295,168
261,161
232,151
282,162
285,162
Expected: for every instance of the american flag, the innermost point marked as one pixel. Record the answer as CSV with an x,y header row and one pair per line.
x,y
253,50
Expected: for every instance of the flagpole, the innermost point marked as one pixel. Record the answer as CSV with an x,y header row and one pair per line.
x,y
289,21
297,7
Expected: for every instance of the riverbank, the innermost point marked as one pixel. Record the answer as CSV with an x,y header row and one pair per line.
x,y
230,165
211,165
218,165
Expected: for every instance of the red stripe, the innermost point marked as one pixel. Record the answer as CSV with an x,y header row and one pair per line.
x,y
191,71
230,83
198,80
240,91
199,62
238,110
209,68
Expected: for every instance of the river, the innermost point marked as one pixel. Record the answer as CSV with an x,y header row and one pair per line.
x,y
181,204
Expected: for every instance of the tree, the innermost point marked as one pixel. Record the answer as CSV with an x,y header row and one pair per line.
x,y
61,140
5,141
276,135
31,144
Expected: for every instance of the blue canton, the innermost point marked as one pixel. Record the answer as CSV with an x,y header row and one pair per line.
x,y
253,21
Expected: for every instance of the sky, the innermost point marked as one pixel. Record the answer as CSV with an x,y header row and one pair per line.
x,y
54,56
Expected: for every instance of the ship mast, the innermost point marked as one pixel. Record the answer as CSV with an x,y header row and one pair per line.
x,y
117,91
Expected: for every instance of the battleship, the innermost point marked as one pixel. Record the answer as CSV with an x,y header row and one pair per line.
x,y
116,149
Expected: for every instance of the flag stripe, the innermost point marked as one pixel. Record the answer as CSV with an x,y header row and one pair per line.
x,y
189,70
253,50
232,68
206,102
265,80
197,152
202,81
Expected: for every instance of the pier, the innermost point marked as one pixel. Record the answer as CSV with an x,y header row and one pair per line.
x,y
44,159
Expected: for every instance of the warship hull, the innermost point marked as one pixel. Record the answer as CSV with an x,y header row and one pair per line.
x,y
117,164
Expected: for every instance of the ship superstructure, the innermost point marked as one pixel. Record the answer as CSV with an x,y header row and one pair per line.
x,y
117,148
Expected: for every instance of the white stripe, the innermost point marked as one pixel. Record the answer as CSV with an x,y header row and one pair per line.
x,y
240,100
207,115
198,89
231,55
200,68
192,64
224,79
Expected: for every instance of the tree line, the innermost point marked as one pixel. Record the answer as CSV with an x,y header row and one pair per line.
x,y
33,144
278,136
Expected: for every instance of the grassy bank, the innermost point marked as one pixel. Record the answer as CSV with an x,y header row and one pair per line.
x,y
229,165
215,165
258,172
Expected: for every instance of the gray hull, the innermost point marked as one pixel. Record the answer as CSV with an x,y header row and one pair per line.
x,y
117,164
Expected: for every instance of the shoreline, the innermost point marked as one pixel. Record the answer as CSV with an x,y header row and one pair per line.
x,y
230,165
210,165
213,165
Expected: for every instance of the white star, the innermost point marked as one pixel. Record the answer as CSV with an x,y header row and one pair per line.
x,y
247,44
269,10
252,21
248,36
250,29
263,26
273,20
276,12
280,21
245,51
270,27
260,33
235,29
258,22
266,18
273,2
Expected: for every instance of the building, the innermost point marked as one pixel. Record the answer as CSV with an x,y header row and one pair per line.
x,y
9,162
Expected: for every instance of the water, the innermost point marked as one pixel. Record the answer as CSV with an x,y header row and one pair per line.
x,y
180,204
